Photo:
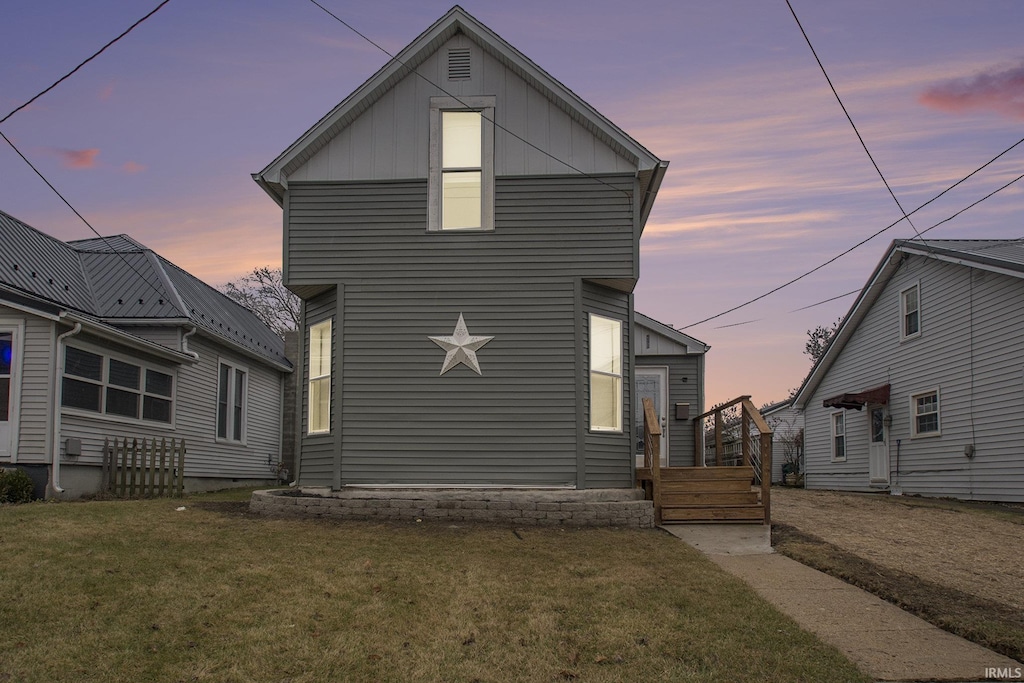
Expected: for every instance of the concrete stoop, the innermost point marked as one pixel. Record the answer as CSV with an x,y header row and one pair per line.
x,y
525,507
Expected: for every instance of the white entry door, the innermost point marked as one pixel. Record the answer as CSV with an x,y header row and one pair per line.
x,y
878,453
6,391
650,383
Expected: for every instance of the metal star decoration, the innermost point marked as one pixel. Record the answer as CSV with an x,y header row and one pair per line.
x,y
461,348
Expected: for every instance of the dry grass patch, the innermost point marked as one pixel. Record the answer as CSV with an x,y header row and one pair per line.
x,y
129,591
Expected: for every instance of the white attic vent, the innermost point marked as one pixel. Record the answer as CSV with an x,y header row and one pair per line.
x,y
458,64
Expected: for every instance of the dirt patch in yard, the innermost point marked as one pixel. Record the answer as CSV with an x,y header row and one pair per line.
x,y
956,564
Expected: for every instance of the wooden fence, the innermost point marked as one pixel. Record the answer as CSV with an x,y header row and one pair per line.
x,y
143,469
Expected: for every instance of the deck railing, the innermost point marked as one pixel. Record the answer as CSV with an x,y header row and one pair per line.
x,y
738,435
652,454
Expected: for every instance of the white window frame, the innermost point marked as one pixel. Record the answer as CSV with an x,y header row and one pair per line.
x,y
916,288
914,414
16,328
838,434
320,378
229,426
485,105
617,427
104,384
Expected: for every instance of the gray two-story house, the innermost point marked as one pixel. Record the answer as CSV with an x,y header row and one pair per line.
x,y
464,233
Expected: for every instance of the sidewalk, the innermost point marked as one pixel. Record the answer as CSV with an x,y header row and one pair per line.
x,y
882,640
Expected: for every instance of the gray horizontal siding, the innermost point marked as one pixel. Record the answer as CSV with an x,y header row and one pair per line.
x,y
404,423
980,377
34,421
683,387
316,467
391,138
609,457
555,227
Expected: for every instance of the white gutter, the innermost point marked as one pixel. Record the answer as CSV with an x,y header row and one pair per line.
x,y
58,400
184,343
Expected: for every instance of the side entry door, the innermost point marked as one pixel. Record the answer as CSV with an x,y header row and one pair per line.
x,y
650,383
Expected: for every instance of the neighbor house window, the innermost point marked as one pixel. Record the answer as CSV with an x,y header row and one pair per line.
x,y
839,436
605,374
6,361
910,312
232,395
320,378
462,163
110,386
924,408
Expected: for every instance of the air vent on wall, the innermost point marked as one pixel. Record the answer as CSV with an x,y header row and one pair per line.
x,y
458,64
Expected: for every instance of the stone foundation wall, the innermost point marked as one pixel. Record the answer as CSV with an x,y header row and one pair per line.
x,y
594,507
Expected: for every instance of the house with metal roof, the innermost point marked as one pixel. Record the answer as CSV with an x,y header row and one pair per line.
x,y
464,232
921,390
104,339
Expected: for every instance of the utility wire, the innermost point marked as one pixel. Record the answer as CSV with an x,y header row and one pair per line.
x,y
850,118
92,57
872,236
460,101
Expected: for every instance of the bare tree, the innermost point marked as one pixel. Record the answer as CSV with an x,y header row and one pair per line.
x,y
819,338
262,291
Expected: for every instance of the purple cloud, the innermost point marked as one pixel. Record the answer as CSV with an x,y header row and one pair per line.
x,y
996,90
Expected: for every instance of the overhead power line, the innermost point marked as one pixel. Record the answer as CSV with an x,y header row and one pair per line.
x,y
83,63
850,118
874,235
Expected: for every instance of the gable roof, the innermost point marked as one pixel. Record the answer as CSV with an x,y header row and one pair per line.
x,y
998,255
273,179
692,344
118,281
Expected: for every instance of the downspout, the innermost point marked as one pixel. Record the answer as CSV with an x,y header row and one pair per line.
x,y
184,343
58,401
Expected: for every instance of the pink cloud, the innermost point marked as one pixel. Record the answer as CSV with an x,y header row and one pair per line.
x,y
996,90
106,92
78,159
132,167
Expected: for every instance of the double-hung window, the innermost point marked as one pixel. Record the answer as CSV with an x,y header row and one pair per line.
x,y
320,378
839,436
924,412
910,312
461,163
110,386
232,398
605,374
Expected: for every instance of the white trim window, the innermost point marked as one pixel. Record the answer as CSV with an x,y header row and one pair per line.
x,y
924,413
319,369
461,163
839,436
6,373
232,402
605,374
110,386
910,312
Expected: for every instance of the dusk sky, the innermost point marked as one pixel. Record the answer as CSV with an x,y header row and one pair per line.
x,y
158,136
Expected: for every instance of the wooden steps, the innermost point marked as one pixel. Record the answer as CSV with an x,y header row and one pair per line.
x,y
707,494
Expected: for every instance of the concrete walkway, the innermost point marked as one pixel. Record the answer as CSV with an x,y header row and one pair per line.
x,y
882,640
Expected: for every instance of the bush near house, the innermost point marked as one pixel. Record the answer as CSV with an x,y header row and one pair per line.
x,y
15,486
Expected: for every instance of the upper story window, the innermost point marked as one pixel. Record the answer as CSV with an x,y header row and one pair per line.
x,y
102,384
232,394
910,312
605,374
461,163
320,378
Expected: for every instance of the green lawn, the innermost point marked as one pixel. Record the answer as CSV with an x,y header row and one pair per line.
x,y
139,591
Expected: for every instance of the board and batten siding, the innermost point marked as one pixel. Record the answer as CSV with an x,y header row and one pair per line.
x,y
970,351
36,380
317,451
609,456
391,139
551,228
195,415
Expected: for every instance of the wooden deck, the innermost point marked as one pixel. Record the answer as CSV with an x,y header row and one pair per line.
x,y
707,494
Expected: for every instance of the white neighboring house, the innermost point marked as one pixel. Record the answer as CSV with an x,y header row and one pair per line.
x,y
787,438
921,390
103,338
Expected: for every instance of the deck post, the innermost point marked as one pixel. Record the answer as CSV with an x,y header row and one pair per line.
x,y
652,445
